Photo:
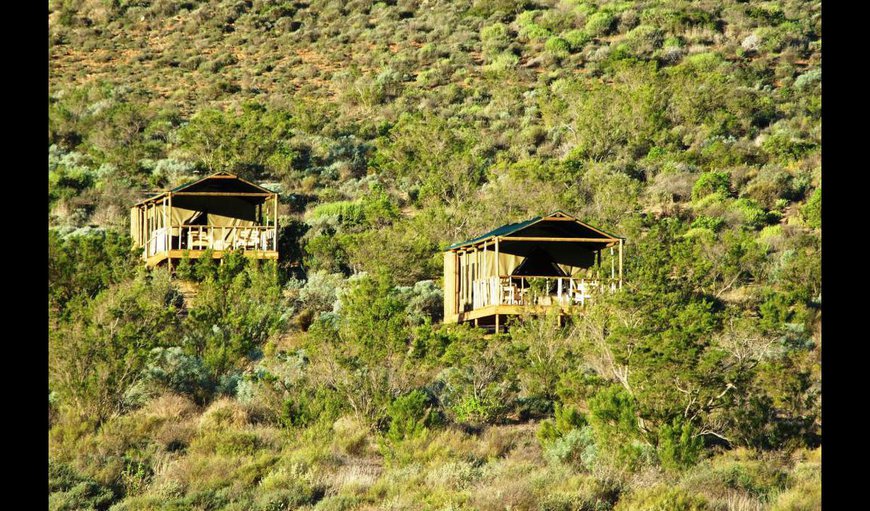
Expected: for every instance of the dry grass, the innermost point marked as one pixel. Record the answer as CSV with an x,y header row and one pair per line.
x,y
356,477
224,413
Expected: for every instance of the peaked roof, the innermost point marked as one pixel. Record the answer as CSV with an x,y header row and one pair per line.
x,y
508,229
225,179
217,182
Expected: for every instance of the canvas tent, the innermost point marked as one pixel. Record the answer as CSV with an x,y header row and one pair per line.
x,y
552,246
209,213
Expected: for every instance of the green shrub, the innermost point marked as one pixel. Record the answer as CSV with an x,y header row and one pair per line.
x,y
787,146
425,301
576,39
558,46
69,491
661,498
751,213
812,210
565,419
501,63
644,39
599,24
679,446
410,416
576,448
85,264
711,182
479,386
706,222
612,416
323,405
115,332
237,311
534,32
495,38
173,370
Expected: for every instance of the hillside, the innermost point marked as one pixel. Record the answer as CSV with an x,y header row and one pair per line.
x,y
391,130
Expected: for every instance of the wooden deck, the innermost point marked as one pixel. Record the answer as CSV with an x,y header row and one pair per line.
x,y
514,310
177,255
495,298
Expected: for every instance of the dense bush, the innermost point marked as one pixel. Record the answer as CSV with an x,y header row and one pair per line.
x,y
392,130
97,354
410,415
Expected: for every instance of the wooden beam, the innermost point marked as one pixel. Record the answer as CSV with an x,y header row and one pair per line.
x,y
225,194
568,240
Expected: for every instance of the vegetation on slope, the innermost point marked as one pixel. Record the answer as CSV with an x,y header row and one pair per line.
x,y
690,128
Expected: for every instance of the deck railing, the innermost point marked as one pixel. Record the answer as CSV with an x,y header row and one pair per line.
x,y
508,290
204,237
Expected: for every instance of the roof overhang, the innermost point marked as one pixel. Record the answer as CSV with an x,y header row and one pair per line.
x,y
550,231
221,184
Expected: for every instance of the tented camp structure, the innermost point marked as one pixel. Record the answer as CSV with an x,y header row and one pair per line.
x,y
551,262
220,212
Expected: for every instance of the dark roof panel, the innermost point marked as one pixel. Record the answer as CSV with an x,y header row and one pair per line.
x,y
532,227
221,182
499,231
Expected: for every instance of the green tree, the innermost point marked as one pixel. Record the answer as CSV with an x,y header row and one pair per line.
x,y
99,352
252,143
364,349
236,312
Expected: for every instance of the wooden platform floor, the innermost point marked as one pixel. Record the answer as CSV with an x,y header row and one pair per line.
x,y
177,255
515,310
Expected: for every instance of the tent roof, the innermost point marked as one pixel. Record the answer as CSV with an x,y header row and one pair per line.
x,y
580,230
221,182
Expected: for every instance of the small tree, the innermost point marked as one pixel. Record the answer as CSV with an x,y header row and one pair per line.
x,y
99,353
362,350
679,445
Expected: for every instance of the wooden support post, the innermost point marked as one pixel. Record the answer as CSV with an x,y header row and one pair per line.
x,y
475,272
496,323
612,270
148,229
456,282
484,272
620,264
170,226
166,237
498,274
463,277
141,213
275,229
598,264
169,232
